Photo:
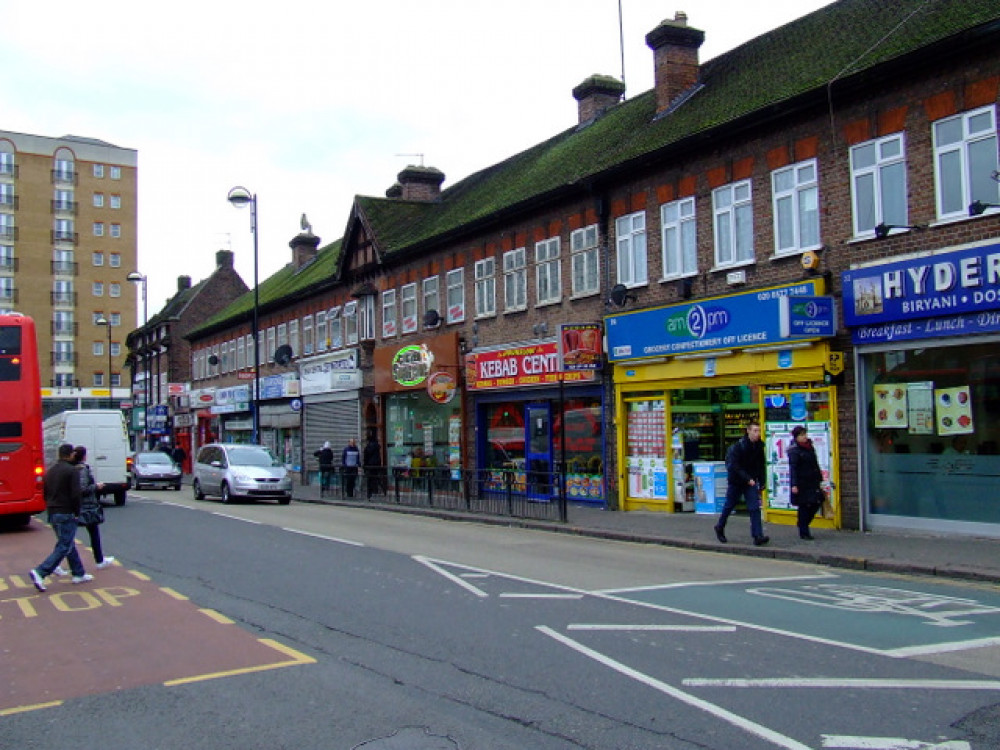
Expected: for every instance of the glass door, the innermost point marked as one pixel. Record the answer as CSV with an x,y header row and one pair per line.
x,y
538,451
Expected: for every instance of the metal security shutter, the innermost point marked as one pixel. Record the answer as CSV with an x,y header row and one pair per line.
x,y
336,421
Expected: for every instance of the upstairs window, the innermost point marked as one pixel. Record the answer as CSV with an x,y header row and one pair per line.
x,y
486,287
432,295
307,335
389,313
455,291
965,158
733,218
548,280
878,184
515,282
336,328
351,323
630,232
408,308
584,261
796,207
680,238
322,341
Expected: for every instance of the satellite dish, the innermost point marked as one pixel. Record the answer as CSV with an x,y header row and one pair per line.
x,y
432,319
620,295
283,354
213,360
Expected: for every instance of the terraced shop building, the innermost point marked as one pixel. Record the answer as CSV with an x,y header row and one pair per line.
x,y
706,225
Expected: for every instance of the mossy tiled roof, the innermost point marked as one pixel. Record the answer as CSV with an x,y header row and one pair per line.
x,y
284,286
830,45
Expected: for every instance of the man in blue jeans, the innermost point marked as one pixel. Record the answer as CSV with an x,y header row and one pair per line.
x,y
62,500
745,468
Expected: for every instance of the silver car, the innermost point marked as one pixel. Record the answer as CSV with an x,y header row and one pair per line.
x,y
232,470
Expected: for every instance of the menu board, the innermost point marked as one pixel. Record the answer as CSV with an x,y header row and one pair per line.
x,y
890,404
920,408
954,410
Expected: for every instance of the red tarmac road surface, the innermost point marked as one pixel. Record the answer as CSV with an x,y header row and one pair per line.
x,y
120,630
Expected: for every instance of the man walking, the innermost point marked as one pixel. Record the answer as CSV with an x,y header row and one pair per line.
x,y
62,501
350,461
372,460
745,467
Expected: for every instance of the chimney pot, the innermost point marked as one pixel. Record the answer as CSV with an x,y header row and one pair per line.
x,y
421,183
224,259
304,248
675,56
183,282
595,95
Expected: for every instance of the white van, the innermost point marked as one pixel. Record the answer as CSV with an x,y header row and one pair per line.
x,y
103,433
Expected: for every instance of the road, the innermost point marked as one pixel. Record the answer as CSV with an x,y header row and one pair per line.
x,y
305,626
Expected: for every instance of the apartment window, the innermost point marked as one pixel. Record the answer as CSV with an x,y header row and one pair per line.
x,y
486,287
389,313
98,200
232,355
97,289
97,259
116,379
282,334
116,230
116,201
351,323
680,238
630,232
63,352
115,319
432,296
965,158
98,171
6,162
63,229
733,220
455,291
6,288
336,329
98,348
878,183
98,379
95,316
98,228
241,353
271,345
115,289
584,261
7,194
62,200
408,308
322,342
116,173
63,380
116,349
115,260
307,335
64,169
515,282
293,337
62,322
366,318
795,191
548,280
7,257
7,226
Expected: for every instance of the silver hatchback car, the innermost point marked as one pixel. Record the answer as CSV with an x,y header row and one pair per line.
x,y
233,470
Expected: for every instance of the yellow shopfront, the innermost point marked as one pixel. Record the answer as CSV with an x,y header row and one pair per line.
x,y
677,416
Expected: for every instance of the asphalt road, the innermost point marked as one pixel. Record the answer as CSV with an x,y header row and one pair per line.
x,y
260,626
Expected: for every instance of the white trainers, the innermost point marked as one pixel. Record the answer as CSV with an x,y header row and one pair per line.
x,y
81,579
60,571
107,562
37,580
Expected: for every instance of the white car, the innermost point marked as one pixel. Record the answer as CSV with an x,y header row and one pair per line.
x,y
235,470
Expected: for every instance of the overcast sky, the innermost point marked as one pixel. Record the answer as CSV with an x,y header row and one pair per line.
x,y
311,103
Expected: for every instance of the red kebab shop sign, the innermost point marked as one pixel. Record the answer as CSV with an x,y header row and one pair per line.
x,y
537,364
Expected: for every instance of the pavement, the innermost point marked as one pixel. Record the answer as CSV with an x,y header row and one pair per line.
x,y
892,551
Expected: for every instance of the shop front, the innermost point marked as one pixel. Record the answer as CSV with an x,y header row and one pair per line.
x,y
926,331
533,416
232,407
281,418
418,386
688,378
330,386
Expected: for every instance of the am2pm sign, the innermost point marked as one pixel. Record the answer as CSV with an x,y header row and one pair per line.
x,y
737,321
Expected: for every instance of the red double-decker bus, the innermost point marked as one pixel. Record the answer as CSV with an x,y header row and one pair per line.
x,y
22,466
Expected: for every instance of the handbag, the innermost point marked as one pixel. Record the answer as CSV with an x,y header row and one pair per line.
x,y
91,515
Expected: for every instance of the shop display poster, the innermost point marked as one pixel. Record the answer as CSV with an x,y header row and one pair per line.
x,y
954,410
920,408
778,439
890,405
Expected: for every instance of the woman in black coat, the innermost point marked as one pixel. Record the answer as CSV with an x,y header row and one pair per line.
x,y
805,478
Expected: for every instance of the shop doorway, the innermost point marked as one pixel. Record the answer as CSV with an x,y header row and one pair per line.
x,y
538,450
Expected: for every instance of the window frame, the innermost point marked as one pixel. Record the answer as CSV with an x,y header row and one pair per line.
x,y
515,280
548,271
877,170
675,236
970,171
454,285
390,326
350,320
430,288
796,197
585,253
736,210
631,250
408,300
485,287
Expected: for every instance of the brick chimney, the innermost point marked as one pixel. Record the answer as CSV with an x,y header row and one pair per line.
x,y
304,247
224,259
183,283
675,55
420,183
595,95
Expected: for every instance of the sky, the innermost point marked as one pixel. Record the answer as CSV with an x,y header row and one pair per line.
x,y
308,104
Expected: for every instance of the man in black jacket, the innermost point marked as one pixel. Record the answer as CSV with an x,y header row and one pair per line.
x,y
62,500
745,467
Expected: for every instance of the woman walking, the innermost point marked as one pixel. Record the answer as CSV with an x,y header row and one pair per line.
x,y
805,478
91,512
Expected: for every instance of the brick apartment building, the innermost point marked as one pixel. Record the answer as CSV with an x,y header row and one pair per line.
x,y
773,235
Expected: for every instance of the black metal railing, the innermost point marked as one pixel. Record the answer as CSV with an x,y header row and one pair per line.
x,y
495,492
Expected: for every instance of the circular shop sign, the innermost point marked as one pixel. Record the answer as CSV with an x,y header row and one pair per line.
x,y
441,387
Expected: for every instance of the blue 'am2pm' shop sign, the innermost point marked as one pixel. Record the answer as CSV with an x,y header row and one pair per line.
x,y
763,317
951,293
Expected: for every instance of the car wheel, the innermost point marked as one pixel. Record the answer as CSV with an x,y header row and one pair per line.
x,y
177,487
196,488
119,497
285,500
226,497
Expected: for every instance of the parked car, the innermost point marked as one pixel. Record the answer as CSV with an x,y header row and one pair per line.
x,y
232,471
155,469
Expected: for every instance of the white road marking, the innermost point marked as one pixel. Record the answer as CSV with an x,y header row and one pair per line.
x,y
338,540
744,724
847,742
450,576
173,504
730,582
654,628
843,682
513,595
236,518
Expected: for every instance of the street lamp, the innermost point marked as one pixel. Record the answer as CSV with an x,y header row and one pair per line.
x,y
102,321
136,278
241,197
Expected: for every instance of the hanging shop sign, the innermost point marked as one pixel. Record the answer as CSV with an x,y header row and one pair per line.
x,y
537,364
580,346
737,321
232,399
412,364
442,387
800,317
284,385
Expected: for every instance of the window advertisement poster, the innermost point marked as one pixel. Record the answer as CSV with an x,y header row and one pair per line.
x,y
890,405
647,477
920,408
778,439
954,410
455,446
646,462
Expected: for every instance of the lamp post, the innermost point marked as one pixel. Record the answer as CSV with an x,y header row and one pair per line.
x,y
241,197
102,321
136,278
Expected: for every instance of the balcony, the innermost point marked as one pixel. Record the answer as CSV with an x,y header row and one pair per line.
x,y
10,200
58,357
65,328
8,294
8,263
8,232
61,235
64,267
63,299
65,207
62,177
9,169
